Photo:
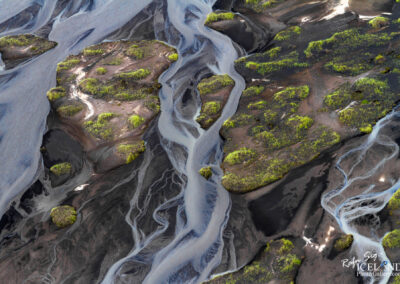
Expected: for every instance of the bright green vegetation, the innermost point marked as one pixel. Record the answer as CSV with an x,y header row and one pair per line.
x,y
135,120
253,91
286,247
135,75
240,156
100,128
392,239
20,40
394,202
344,242
69,110
277,263
92,52
379,59
378,22
215,17
350,66
209,113
288,33
55,93
63,216
131,151
289,263
345,41
396,279
284,63
173,57
214,83
206,172
61,169
101,71
135,51
257,105
68,64
370,97
137,95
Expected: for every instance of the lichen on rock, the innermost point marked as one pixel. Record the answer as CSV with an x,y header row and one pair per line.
x,y
63,216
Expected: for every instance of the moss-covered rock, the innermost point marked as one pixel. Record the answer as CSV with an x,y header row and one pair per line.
x,y
343,243
215,17
206,172
214,83
392,239
61,169
63,216
378,22
100,128
55,93
131,151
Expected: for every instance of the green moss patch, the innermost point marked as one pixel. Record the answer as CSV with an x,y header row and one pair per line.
x,y
173,57
131,151
370,99
240,156
55,93
378,22
392,240
346,41
214,83
100,128
63,216
216,17
288,33
206,172
61,169
136,120
93,52
68,64
283,63
101,71
135,75
343,243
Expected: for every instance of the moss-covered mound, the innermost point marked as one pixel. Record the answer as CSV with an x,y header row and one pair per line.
x,y
206,172
216,17
61,169
63,216
278,263
17,48
214,92
131,151
343,243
